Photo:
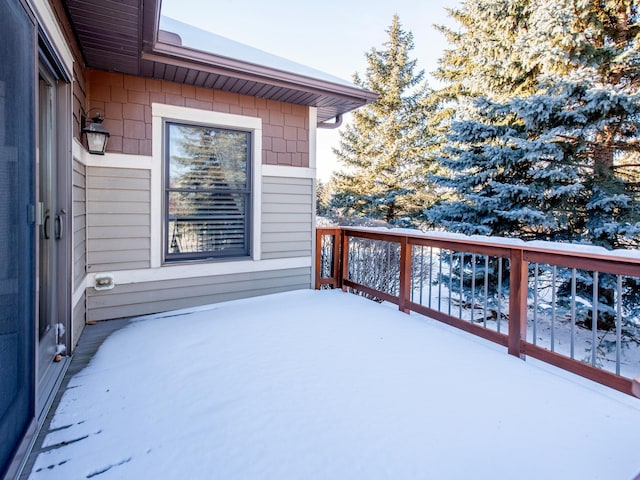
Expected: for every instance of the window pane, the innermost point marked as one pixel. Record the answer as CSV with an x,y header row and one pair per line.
x,y
202,205
207,158
207,222
207,192
198,224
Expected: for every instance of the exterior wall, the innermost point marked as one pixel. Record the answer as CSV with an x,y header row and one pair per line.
x,y
159,296
117,198
79,99
118,230
121,246
78,230
79,317
79,211
287,211
119,209
126,102
124,199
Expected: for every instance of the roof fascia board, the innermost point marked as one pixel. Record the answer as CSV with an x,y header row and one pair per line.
x,y
150,23
186,57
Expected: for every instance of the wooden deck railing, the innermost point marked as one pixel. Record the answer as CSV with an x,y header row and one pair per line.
x,y
346,258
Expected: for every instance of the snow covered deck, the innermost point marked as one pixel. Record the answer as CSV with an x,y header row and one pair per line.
x,y
328,385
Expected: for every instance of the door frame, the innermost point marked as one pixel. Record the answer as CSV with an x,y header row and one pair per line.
x,y
46,208
49,60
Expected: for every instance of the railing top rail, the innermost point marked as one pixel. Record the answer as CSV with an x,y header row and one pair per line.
x,y
328,230
578,251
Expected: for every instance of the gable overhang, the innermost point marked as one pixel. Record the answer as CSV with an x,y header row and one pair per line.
x,y
124,36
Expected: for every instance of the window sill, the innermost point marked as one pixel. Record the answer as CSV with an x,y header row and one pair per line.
x,y
204,261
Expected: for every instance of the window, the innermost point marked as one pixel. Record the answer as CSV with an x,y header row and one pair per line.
x,y
207,192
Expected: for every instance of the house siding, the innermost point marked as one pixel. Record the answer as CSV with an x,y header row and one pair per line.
x,y
287,217
152,297
79,99
79,319
118,214
79,223
287,227
119,204
126,102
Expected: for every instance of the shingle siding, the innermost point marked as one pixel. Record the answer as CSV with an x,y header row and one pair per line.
x,y
126,102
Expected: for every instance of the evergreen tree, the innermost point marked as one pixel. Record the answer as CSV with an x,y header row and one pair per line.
x,y
323,197
544,127
482,59
384,148
539,154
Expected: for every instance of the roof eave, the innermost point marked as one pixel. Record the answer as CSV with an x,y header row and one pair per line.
x,y
174,54
130,41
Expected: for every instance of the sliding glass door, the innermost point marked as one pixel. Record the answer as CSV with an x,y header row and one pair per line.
x,y
17,220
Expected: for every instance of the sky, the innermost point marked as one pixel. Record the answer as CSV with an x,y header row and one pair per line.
x,y
332,35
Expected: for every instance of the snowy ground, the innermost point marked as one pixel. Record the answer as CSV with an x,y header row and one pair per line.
x,y
327,385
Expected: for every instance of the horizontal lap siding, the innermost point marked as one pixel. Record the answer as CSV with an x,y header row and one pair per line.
x,y
79,224
287,217
119,209
119,238
79,319
151,297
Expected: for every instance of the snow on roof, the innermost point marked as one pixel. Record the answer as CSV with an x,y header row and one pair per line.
x,y
208,42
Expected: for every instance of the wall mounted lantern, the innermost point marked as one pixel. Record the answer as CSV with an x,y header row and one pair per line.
x,y
97,134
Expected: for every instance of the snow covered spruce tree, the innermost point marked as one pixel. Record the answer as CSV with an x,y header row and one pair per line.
x,y
547,110
546,121
384,148
482,59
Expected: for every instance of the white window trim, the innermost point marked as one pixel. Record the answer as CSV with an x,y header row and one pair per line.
x,y
288,172
198,270
161,112
313,137
313,163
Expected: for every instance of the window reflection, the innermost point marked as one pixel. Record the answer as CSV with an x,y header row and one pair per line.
x,y
207,192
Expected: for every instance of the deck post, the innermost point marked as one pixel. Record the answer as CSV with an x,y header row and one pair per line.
x,y
518,291
344,265
405,275
318,259
337,257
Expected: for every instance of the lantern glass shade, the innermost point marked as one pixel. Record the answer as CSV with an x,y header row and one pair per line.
x,y
97,136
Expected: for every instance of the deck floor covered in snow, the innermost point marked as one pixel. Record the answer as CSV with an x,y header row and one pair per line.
x,y
327,385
